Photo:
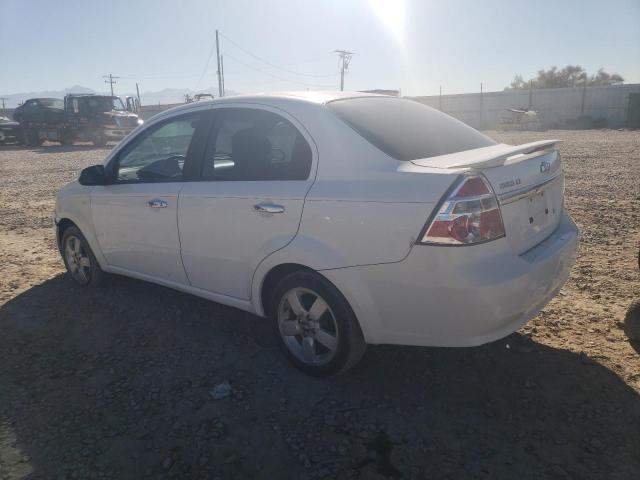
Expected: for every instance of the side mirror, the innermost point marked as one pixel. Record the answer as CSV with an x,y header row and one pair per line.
x,y
94,175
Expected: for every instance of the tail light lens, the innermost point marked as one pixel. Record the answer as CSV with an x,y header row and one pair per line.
x,y
469,214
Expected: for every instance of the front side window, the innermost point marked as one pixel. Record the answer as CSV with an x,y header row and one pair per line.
x,y
159,153
251,145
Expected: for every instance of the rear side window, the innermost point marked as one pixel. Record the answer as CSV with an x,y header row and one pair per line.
x,y
249,144
407,130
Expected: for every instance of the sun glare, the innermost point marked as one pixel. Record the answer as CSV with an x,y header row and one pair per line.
x,y
392,15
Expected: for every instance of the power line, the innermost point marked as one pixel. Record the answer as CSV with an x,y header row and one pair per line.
x,y
206,66
162,75
275,76
273,64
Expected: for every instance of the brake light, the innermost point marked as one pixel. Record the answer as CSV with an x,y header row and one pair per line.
x,y
470,214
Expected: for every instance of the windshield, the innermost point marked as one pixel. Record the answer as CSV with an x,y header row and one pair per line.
x,y
106,104
116,104
407,130
52,102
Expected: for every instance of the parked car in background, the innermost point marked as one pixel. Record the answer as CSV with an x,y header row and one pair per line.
x,y
79,117
40,110
345,218
9,131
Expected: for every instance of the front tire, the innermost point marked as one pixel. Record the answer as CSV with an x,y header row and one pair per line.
x,y
314,325
79,259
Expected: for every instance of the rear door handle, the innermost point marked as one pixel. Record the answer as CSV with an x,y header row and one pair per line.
x,y
157,203
268,208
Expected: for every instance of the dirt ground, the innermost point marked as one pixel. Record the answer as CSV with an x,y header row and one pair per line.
x,y
116,382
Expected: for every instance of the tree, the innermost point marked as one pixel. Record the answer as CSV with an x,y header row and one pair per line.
x,y
517,83
569,76
604,78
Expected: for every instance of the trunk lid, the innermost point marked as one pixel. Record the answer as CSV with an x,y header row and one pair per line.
x,y
528,181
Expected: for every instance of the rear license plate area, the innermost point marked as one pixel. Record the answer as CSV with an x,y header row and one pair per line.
x,y
539,210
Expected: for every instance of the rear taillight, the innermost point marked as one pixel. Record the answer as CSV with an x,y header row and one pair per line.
x,y
469,214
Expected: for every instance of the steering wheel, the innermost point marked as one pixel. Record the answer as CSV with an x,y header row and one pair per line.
x,y
166,168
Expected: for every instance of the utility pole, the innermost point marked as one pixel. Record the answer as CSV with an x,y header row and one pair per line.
x,y
111,81
222,72
220,91
480,127
345,58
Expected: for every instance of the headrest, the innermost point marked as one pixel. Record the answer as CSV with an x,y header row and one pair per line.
x,y
250,144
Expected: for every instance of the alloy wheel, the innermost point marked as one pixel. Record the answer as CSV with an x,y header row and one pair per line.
x,y
308,326
78,260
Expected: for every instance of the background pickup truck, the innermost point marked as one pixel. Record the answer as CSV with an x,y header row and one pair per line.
x,y
89,118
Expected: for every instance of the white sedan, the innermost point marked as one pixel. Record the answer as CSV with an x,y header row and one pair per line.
x,y
346,219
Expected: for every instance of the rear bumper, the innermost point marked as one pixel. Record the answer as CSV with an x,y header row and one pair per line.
x,y
458,297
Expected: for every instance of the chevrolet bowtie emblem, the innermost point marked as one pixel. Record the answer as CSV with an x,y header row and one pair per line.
x,y
545,167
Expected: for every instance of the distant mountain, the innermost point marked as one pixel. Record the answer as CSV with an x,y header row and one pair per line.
x,y
167,95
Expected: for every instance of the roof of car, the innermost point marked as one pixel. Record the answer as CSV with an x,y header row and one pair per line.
x,y
317,97
42,98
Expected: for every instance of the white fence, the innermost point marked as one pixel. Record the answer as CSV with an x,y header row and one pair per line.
x,y
557,107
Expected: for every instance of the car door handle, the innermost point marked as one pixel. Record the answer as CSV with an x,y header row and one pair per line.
x,y
157,203
268,208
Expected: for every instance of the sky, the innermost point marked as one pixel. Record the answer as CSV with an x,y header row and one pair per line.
x,y
416,46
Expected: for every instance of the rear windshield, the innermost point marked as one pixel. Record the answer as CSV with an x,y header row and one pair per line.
x,y
407,130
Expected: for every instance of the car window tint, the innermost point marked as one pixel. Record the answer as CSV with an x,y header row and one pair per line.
x,y
249,144
407,130
160,152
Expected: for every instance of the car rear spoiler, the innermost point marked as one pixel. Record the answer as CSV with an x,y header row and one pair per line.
x,y
487,157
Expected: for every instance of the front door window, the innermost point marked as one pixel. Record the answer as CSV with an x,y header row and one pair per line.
x,y
160,154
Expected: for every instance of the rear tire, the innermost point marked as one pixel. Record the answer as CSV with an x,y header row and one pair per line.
x,y
632,321
314,325
99,140
66,140
33,139
79,259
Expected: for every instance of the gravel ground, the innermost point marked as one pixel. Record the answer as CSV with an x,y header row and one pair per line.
x,y
118,382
